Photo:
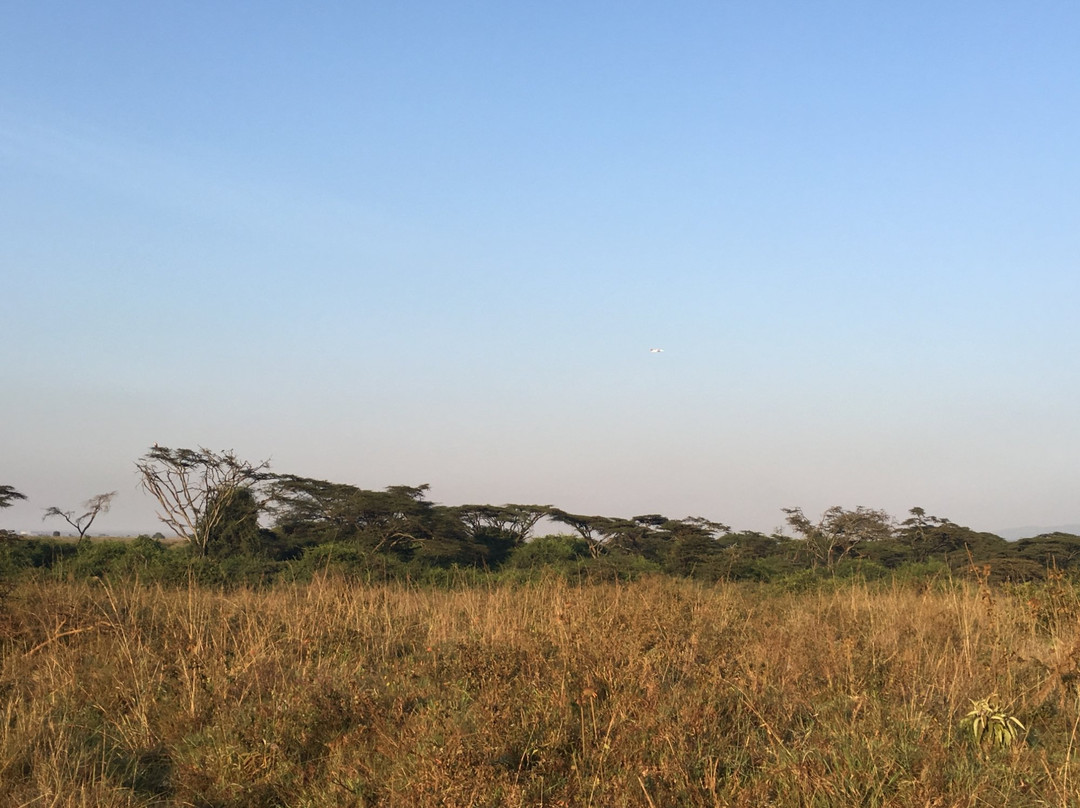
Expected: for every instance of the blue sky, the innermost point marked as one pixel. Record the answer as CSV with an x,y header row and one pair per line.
x,y
434,242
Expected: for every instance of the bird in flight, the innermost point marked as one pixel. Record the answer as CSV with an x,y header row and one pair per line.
x,y
656,350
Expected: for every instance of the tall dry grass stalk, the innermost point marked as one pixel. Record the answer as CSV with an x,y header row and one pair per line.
x,y
654,693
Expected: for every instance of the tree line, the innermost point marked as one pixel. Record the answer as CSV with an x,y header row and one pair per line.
x,y
232,512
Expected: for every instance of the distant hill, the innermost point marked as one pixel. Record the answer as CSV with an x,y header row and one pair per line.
x,y
1015,533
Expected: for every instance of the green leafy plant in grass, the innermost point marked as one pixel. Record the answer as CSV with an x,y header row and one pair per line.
x,y
991,725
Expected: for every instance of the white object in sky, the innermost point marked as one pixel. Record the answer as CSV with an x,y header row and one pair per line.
x,y
656,350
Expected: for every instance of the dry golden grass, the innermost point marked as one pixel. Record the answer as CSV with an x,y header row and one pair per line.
x,y
654,693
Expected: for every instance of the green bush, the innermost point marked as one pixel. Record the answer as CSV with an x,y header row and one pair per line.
x,y
347,559
18,554
617,566
142,557
557,550
922,572
770,568
861,569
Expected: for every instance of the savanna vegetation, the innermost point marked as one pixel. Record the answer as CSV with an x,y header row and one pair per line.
x,y
658,691
310,643
239,523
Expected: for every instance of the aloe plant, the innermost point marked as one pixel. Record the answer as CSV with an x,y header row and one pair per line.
x,y
991,725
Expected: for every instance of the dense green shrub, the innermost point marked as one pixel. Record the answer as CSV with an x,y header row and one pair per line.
x,y
347,559
17,554
147,558
559,550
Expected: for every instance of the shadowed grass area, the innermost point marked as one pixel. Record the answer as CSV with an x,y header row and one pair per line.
x,y
659,692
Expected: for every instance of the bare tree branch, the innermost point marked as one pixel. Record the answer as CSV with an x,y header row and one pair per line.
x,y
193,488
95,505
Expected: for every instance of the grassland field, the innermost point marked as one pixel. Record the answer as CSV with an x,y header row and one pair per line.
x,y
656,692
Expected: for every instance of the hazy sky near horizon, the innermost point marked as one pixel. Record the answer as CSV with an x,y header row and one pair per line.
x,y
403,243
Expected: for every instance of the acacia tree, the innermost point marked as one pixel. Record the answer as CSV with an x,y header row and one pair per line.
x,y
695,545
396,519
839,531
925,535
8,495
595,530
648,535
194,488
642,535
95,505
514,521
496,530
